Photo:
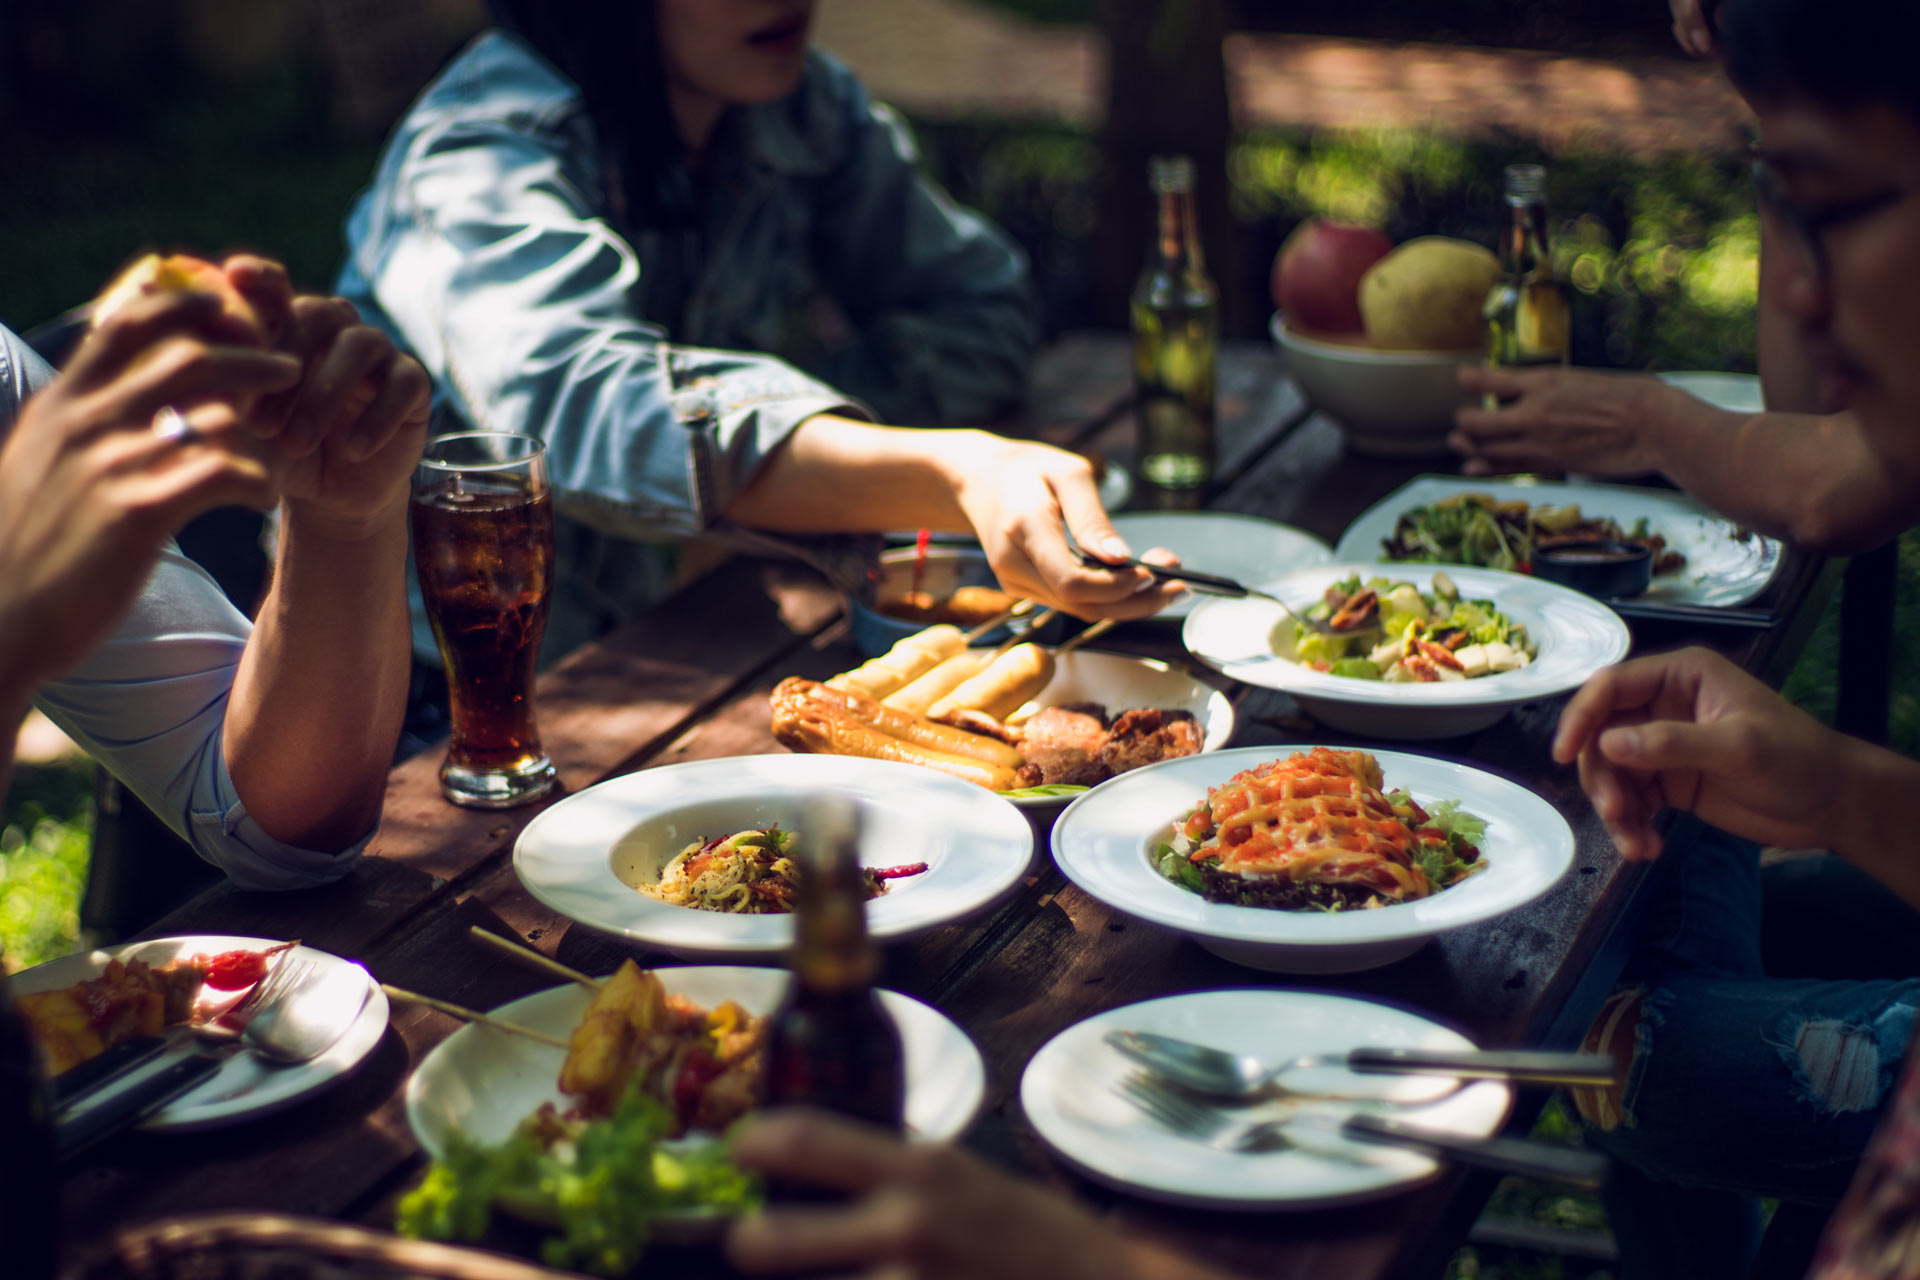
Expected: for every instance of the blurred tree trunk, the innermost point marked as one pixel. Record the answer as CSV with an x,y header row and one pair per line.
x,y
1166,93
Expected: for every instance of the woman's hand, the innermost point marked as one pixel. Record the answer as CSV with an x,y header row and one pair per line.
x,y
917,1210
90,489
346,439
1018,495
1691,731
1562,420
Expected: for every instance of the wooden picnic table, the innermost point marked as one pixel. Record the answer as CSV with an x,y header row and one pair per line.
x,y
690,679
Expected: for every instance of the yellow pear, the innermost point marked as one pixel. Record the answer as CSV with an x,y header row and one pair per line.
x,y
1427,295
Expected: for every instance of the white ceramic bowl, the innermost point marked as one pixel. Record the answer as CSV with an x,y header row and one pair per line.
x,y
1245,548
1103,843
1575,636
582,856
481,1082
1391,403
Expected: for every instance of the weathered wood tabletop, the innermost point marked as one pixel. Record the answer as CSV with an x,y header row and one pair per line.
x,y
690,681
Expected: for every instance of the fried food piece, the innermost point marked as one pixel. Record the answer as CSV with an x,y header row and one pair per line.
x,y
1147,735
970,606
73,1024
606,1049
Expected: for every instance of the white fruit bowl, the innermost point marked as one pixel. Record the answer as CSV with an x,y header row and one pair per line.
x,y
1391,403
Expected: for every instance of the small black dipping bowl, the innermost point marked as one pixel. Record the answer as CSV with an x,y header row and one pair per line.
x,y
1600,567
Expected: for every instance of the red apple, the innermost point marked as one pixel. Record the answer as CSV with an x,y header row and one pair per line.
x,y
1316,274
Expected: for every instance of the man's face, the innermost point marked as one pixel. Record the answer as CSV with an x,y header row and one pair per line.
x,y
1840,191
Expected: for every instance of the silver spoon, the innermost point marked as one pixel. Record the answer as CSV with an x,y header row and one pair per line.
x,y
1207,1070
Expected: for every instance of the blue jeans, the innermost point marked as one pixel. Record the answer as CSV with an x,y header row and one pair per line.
x,y
1772,1009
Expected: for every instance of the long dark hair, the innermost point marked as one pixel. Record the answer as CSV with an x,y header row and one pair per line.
x,y
1840,53
611,50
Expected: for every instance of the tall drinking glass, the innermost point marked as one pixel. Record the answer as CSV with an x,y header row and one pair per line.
x,y
483,545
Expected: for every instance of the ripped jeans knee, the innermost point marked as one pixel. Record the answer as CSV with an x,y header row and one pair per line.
x,y
1761,1086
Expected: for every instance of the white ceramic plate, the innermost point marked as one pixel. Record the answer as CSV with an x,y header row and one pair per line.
x,y
1724,567
1103,842
1118,682
244,1087
583,856
1575,636
1069,1092
483,1082
1232,546
1735,392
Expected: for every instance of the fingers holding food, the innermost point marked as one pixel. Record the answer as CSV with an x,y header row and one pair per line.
x,y
914,656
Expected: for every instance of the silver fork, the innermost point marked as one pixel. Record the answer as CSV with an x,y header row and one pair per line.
x,y
1214,1128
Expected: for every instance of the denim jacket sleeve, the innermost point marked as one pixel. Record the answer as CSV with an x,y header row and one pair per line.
x,y
940,299
482,247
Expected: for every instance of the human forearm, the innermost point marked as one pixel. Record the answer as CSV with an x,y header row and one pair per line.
x,y
837,475
1809,479
321,691
1867,815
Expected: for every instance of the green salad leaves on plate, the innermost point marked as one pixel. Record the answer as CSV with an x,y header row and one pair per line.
x,y
1392,631
600,1183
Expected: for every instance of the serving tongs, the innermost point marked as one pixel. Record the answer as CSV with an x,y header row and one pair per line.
x,y
1214,584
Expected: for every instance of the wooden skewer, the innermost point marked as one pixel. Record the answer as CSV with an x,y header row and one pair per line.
x,y
1021,608
527,955
1040,620
473,1015
1098,629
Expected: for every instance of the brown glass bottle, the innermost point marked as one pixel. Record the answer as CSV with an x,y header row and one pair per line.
x,y
29,1185
830,1044
1175,347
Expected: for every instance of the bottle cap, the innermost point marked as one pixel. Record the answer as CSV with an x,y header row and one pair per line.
x,y
1526,183
1170,174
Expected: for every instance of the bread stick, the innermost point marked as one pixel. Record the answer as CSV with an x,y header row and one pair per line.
x,y
1000,690
923,691
914,656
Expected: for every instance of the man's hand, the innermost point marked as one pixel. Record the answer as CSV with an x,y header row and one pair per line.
x,y
346,439
89,489
1691,731
1605,424
1016,495
919,1210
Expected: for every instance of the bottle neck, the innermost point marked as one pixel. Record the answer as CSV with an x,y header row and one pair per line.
x,y
1524,252
1177,238
831,951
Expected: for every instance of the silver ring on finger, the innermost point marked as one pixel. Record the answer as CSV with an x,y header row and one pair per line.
x,y
172,425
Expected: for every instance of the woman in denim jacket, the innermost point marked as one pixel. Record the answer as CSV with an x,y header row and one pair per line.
x,y
693,256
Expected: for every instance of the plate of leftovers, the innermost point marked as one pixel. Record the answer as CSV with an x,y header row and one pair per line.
x,y
1070,1092
1309,859
1698,557
700,859
1029,723
1419,651
1219,542
658,1064
83,1004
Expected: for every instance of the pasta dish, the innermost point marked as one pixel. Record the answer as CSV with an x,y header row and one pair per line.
x,y
1317,831
748,873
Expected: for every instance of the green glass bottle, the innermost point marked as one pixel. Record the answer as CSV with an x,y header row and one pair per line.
x,y
1176,342
1528,319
